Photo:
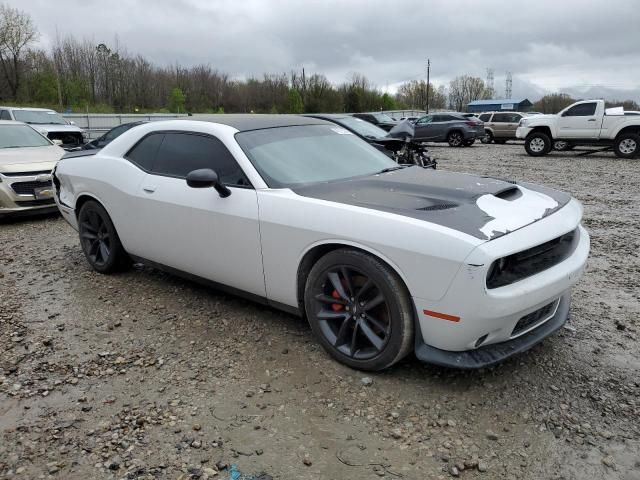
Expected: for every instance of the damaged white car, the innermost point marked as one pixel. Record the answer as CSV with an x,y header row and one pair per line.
x,y
300,214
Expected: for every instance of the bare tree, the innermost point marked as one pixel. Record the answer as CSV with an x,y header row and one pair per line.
x,y
465,89
17,32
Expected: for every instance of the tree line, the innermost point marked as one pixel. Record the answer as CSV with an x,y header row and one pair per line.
x,y
80,75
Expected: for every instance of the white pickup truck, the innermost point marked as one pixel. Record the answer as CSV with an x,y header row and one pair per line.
x,y
583,123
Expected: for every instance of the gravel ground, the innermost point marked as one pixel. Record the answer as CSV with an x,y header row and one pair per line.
x,y
145,375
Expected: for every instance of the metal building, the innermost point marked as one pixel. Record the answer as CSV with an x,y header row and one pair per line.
x,y
505,104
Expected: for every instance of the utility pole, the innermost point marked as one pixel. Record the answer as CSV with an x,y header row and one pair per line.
x,y
428,72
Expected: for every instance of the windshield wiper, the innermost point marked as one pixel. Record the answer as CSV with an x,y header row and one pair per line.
x,y
390,169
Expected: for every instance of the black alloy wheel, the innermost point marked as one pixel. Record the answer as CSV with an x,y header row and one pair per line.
x,y
359,310
99,240
352,313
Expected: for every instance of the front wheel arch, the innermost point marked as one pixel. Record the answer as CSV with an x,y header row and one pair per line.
x,y
315,252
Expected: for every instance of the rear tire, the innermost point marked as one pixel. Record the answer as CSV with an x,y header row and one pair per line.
x,y
359,310
455,139
627,145
468,143
99,239
487,137
562,146
538,144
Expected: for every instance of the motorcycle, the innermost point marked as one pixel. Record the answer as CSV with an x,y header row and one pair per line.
x,y
399,141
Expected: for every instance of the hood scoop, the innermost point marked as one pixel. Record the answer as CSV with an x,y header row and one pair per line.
x,y
510,194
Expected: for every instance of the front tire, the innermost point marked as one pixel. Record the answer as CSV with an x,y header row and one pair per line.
x,y
359,310
99,239
455,139
538,144
627,145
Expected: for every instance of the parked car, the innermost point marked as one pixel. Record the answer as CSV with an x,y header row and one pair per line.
x,y
583,123
452,128
26,161
380,119
111,135
48,122
399,149
500,126
381,259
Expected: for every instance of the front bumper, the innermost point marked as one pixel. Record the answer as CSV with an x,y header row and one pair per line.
x,y
522,132
496,353
478,318
26,193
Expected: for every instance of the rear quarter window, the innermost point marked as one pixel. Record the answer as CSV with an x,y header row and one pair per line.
x,y
144,152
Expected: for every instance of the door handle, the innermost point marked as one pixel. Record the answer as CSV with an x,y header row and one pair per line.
x,y
149,189
591,120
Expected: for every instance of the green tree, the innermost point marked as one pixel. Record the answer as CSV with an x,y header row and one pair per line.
x,y
353,100
43,88
176,100
295,101
388,103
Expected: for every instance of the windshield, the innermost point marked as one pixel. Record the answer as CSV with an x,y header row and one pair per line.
x,y
38,117
15,136
383,117
288,156
362,127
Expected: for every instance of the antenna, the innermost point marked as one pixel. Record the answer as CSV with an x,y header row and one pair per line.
x,y
508,85
490,80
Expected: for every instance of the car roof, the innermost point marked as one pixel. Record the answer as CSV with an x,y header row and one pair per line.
x,y
12,122
251,121
28,108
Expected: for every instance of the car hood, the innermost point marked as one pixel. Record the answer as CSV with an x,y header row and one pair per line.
x,y
536,118
26,159
484,207
54,127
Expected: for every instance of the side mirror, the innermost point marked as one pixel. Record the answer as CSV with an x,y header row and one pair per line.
x,y
57,141
71,122
206,178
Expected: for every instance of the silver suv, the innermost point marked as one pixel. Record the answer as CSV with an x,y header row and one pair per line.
x,y
500,126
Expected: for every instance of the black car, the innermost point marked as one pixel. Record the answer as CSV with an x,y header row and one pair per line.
x,y
380,119
111,135
394,144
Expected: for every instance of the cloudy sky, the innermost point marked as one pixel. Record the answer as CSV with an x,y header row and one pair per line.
x,y
584,47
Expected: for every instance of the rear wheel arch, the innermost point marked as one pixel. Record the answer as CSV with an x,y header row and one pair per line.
x,y
635,129
316,252
84,198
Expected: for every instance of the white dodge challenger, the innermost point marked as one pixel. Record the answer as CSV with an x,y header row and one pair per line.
x,y
300,214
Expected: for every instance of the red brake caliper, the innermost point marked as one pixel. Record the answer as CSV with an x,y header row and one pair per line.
x,y
336,306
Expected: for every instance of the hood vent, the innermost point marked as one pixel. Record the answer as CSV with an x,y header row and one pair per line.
x,y
441,206
510,194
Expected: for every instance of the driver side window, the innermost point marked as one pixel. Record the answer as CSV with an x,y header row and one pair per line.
x,y
424,120
582,110
183,152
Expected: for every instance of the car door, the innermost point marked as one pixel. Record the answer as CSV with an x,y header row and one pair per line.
x,y
441,126
579,121
194,229
499,124
513,120
422,128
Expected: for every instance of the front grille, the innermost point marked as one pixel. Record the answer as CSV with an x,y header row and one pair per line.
x,y
27,188
36,203
516,267
532,318
26,174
